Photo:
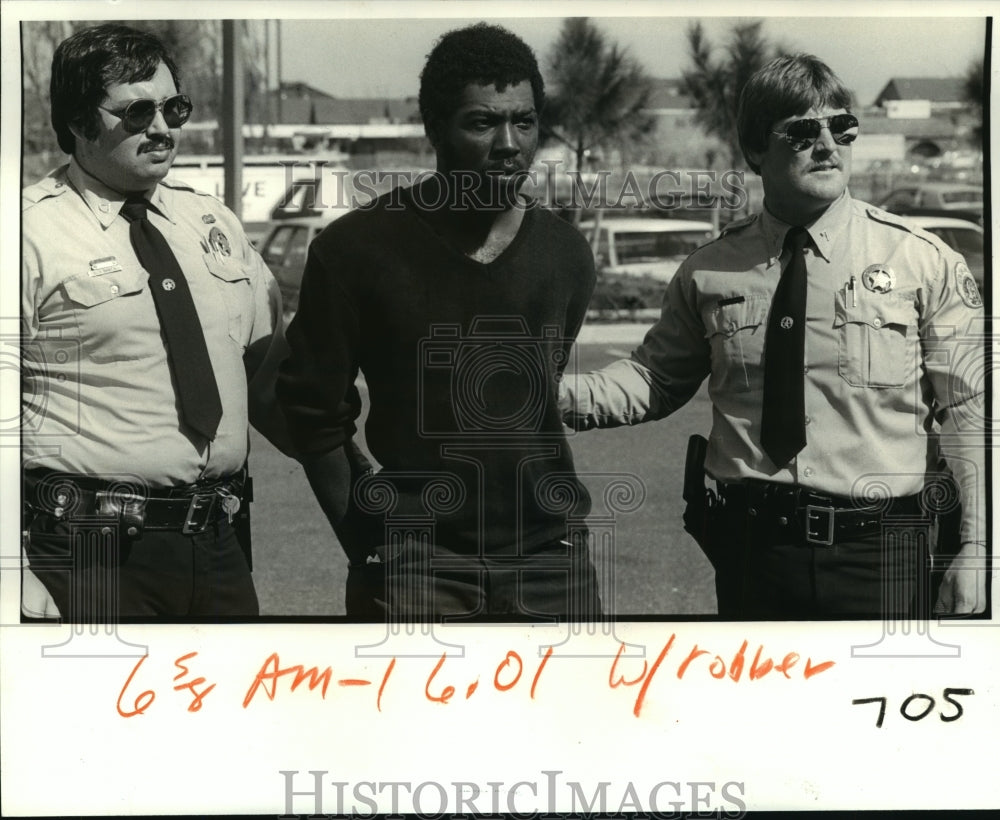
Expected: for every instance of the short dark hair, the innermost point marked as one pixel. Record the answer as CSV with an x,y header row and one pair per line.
x,y
784,87
89,61
483,54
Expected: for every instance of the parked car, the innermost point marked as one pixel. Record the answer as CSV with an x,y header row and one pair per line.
x,y
635,259
645,247
284,251
937,199
960,235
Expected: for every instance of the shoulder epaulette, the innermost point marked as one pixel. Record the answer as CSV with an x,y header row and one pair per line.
x,y
52,185
897,221
880,215
179,185
738,225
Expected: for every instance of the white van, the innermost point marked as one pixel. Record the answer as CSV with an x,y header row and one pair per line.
x,y
267,182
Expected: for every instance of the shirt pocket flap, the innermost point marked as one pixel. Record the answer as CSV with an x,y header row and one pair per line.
x,y
875,311
729,318
226,269
88,291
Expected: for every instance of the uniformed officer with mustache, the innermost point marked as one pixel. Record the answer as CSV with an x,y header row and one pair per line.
x,y
148,317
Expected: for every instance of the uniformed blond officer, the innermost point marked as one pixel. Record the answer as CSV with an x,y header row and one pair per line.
x,y
146,312
831,333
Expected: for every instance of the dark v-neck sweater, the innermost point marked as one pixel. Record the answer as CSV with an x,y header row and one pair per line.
x,y
461,361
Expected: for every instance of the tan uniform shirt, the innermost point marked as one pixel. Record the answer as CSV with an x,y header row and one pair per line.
x,y
98,397
894,333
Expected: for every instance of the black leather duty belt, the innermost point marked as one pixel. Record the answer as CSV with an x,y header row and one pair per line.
x,y
188,509
808,517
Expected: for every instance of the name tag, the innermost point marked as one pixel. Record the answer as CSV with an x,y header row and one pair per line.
x,y
99,267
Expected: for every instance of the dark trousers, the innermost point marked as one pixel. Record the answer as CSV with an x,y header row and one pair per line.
x,y
99,578
762,574
430,583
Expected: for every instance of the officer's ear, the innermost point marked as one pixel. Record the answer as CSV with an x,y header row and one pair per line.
x,y
78,128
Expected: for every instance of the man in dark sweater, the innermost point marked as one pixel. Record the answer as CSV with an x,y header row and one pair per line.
x,y
459,301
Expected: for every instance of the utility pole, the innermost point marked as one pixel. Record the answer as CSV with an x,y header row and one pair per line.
x,y
232,114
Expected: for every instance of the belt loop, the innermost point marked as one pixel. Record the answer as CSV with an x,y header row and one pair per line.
x,y
756,498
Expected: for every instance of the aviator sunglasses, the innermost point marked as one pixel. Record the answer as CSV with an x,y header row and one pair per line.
x,y
138,114
802,134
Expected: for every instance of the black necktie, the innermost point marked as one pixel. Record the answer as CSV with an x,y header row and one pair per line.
x,y
201,407
783,425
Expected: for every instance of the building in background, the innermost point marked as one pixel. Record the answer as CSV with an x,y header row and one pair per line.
x,y
929,113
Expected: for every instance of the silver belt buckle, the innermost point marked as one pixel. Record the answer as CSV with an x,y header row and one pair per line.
x,y
199,513
814,515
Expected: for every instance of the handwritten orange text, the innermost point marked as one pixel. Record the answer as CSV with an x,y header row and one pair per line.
x,y
448,680
272,670
698,661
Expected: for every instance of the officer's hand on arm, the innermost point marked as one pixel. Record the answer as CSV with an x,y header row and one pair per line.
x,y
35,599
963,588
661,375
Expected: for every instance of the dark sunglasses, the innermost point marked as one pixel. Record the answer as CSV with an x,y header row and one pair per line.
x,y
138,114
802,134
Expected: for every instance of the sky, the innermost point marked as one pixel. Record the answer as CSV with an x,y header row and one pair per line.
x,y
383,57
376,48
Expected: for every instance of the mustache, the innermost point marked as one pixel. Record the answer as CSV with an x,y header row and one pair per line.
x,y
157,143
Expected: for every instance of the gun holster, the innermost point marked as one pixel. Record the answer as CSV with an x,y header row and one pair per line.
x,y
241,522
700,500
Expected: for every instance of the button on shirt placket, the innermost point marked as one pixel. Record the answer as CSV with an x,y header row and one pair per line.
x,y
183,235
783,402
817,296
820,359
190,365
813,260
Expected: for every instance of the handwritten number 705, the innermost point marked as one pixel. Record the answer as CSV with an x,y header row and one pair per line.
x,y
911,709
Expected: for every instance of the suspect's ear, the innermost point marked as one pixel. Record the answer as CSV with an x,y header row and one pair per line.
x,y
432,131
